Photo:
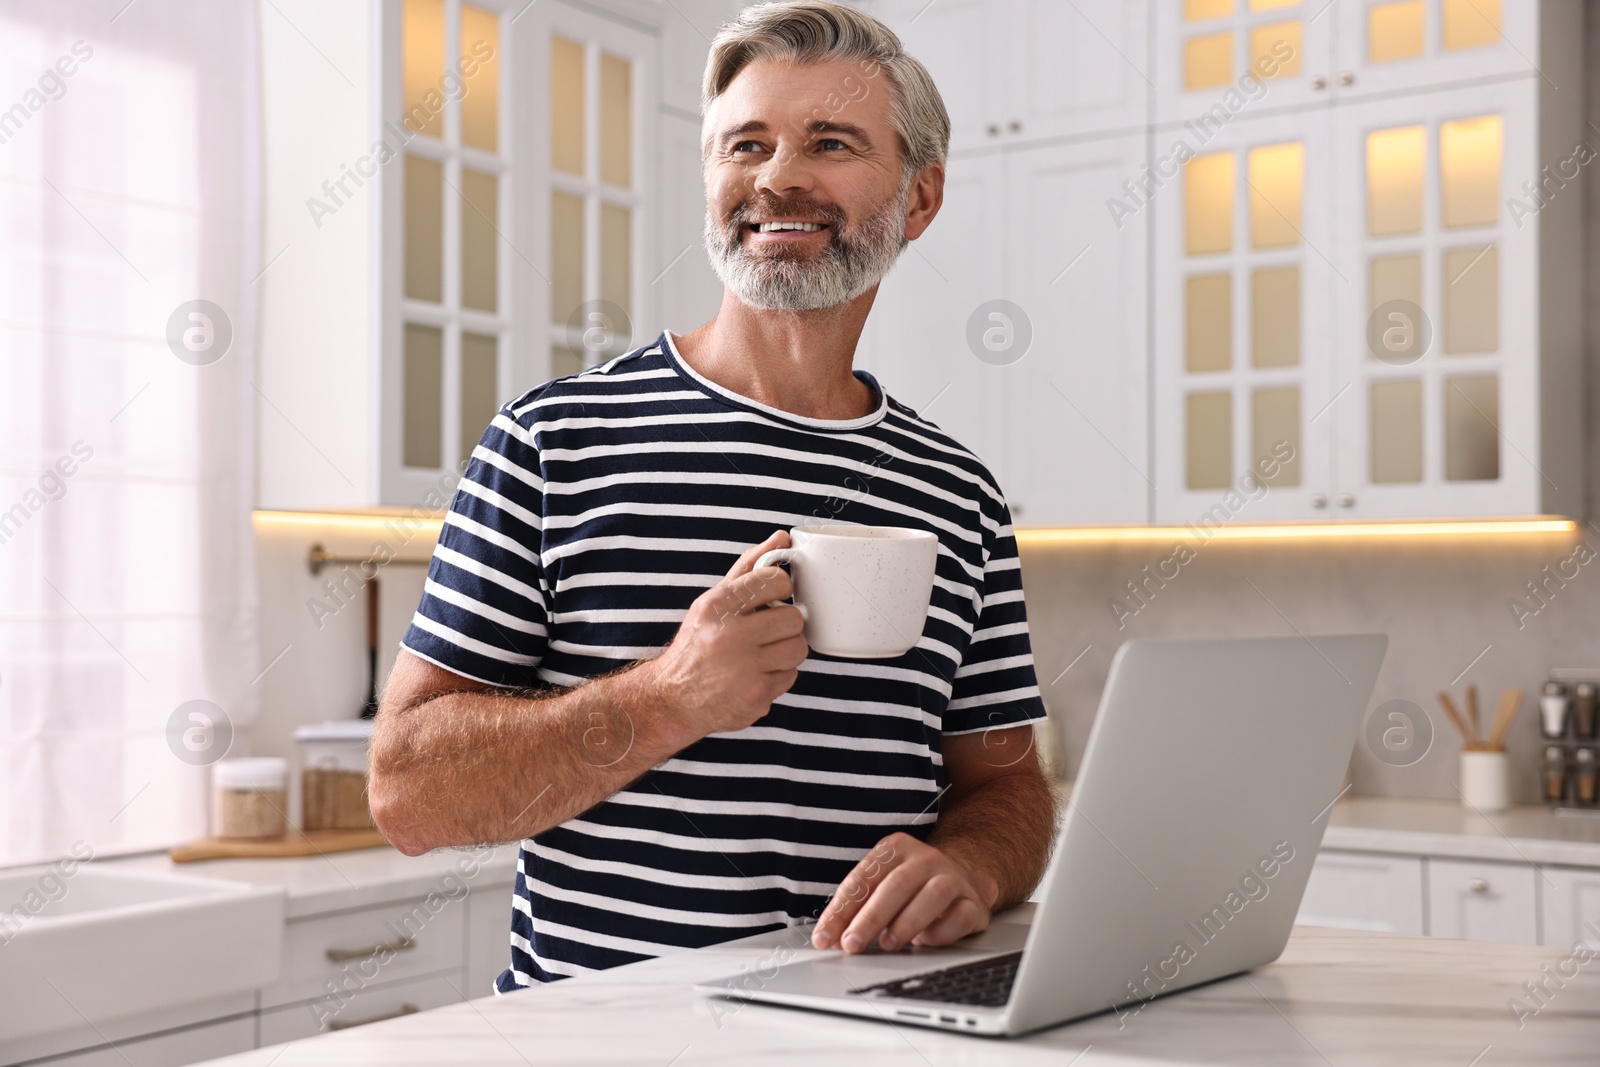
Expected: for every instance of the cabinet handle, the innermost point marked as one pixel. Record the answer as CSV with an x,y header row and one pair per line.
x,y
345,1024
1346,78
1478,885
1319,83
340,955
1346,500
1016,509
994,129
1015,126
1318,500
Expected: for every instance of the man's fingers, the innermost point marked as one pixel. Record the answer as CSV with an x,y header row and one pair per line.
x,y
747,559
754,590
937,896
858,887
892,896
965,916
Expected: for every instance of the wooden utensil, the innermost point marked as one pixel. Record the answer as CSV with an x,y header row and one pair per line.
x,y
1510,704
1472,712
1455,716
294,843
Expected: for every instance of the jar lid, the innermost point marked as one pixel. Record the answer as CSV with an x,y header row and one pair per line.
x,y
358,731
255,772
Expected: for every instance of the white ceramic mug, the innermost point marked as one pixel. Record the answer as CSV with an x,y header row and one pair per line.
x,y
864,590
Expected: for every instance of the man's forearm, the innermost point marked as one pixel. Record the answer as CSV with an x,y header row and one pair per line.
x,y
476,767
1004,829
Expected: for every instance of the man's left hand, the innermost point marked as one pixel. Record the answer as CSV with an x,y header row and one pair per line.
x,y
906,892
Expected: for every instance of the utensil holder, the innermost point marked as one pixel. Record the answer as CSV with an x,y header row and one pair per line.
x,y
1484,780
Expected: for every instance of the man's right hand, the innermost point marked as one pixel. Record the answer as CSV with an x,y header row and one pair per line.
x,y
730,660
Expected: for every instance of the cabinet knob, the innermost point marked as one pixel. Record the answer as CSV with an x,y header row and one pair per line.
x,y
1016,509
1319,82
1346,78
993,129
1478,885
1318,500
1015,125
1346,500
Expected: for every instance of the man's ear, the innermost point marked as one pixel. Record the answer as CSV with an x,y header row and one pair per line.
x,y
924,199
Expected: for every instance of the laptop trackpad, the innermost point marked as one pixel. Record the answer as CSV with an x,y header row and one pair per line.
x,y
832,972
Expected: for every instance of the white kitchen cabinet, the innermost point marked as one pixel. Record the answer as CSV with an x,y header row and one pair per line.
x,y
1015,71
1242,238
1215,57
488,939
386,943
1395,45
1365,891
1486,420
1429,357
173,1049
432,252
1076,444
369,1004
1482,900
915,340
1569,907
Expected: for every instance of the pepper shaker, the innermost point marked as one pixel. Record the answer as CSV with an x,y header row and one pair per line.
x,y
1583,701
1583,774
1553,774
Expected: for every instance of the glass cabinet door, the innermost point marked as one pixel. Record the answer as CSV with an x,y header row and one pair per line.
x,y
597,78
1436,335
1243,274
449,375
1385,45
1218,60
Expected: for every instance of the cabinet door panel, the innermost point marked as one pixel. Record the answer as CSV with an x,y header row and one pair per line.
x,y
915,340
1228,58
1075,68
171,1050
1481,900
1570,905
1364,891
963,44
1243,270
1389,45
1436,323
361,1007
1076,403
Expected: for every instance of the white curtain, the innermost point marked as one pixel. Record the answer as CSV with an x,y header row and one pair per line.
x,y
129,186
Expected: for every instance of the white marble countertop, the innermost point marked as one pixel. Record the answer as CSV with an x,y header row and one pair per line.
x,y
1335,997
335,881
1523,834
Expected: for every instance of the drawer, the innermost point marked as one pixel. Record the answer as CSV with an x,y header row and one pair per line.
x,y
1570,904
349,951
1364,891
370,1005
1481,900
488,938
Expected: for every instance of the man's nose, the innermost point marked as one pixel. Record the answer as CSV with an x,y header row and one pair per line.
x,y
786,172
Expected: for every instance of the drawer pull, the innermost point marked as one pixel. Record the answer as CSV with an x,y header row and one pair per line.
x,y
340,955
1478,885
345,1024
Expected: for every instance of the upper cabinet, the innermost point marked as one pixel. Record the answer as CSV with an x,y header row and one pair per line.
x,y
1026,70
1376,286
486,227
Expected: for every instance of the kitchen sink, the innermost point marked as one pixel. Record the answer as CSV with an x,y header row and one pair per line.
x,y
97,944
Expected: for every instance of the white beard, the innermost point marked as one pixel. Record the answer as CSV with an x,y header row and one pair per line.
x,y
781,281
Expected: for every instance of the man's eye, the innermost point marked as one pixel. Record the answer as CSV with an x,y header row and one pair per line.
x,y
754,146
828,143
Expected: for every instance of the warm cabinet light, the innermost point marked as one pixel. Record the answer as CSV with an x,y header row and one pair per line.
x,y
1065,535
376,520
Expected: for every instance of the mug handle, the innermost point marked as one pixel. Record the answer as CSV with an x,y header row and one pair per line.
x,y
778,557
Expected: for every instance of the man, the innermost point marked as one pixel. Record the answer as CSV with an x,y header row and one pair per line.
x,y
588,674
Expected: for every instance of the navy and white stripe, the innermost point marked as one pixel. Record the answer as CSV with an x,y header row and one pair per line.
x,y
593,512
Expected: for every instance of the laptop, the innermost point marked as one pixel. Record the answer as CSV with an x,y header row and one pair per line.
x,y
1181,858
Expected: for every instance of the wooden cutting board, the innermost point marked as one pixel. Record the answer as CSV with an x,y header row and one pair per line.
x,y
294,843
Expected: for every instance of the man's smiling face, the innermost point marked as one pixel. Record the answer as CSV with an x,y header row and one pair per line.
x,y
805,188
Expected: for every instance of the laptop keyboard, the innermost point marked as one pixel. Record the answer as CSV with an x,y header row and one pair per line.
x,y
984,984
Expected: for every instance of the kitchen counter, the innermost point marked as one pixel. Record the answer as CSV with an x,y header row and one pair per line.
x,y
1335,996
1525,834
336,881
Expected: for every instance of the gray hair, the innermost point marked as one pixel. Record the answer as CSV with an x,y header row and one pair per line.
x,y
820,31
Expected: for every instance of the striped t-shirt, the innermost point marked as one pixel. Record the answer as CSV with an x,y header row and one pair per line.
x,y
593,512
